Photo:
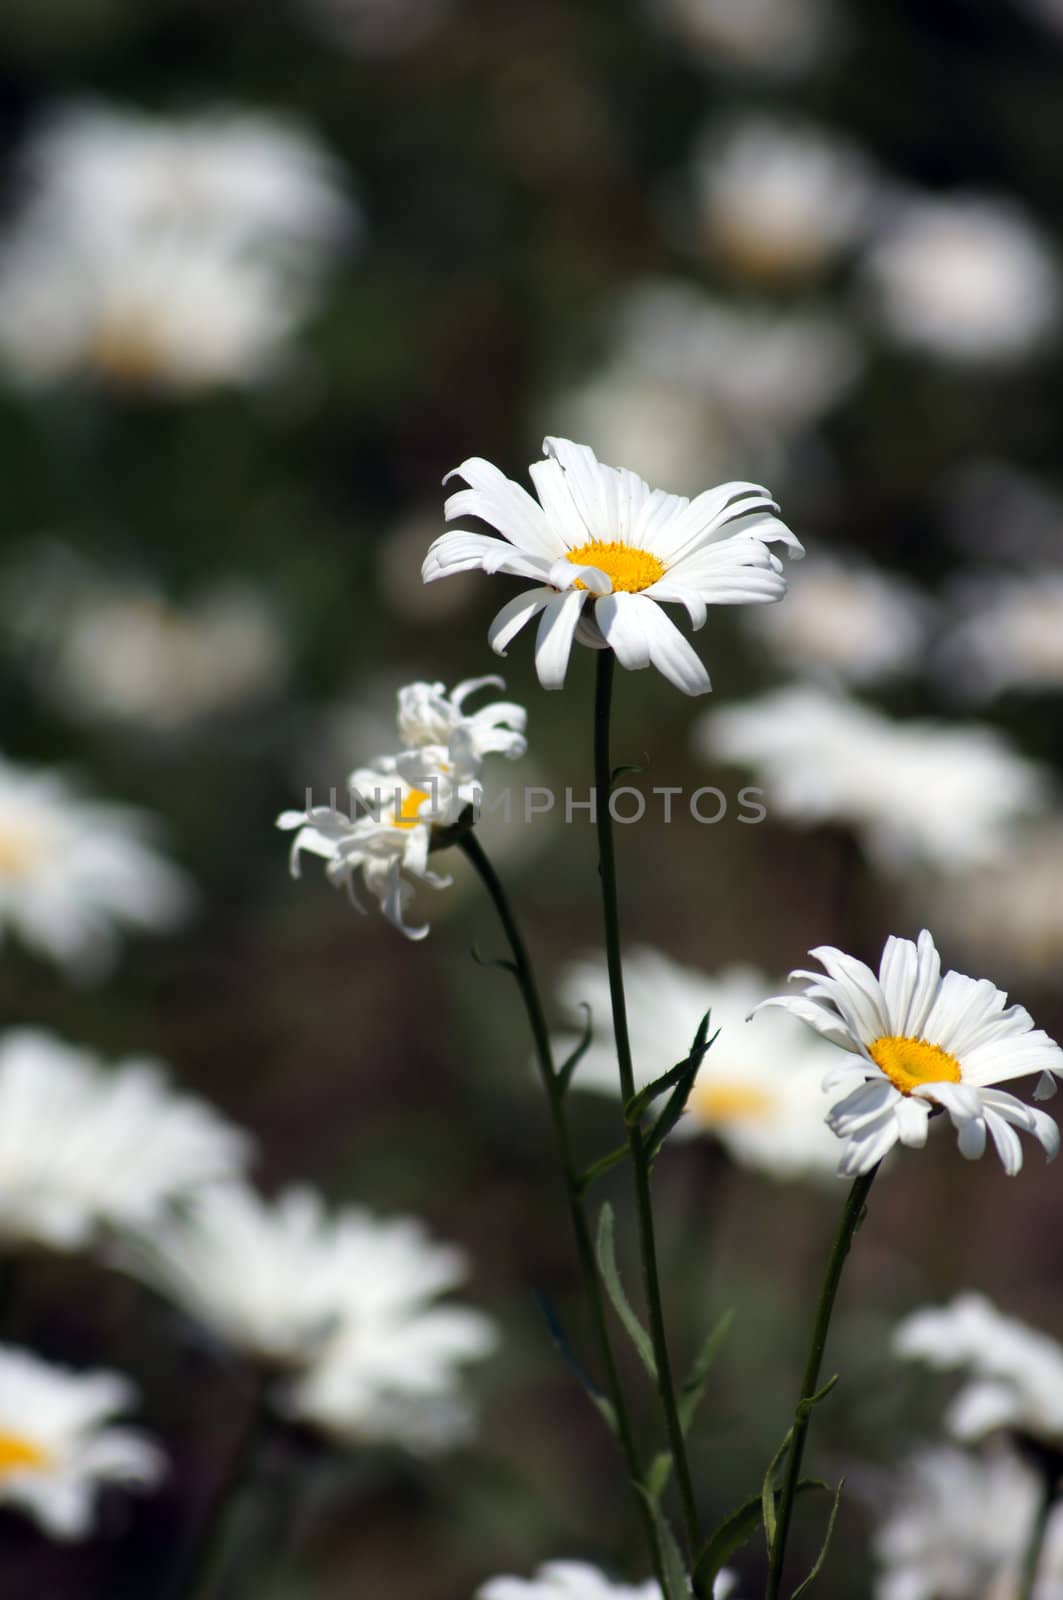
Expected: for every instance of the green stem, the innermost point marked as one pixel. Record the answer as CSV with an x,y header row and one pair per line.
x,y
201,1573
850,1221
640,1166
1035,1543
555,1094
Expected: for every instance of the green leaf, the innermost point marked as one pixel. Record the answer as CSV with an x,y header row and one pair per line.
x,y
693,1389
568,1355
500,962
676,1103
638,768
604,1164
639,1103
734,1532
658,1475
571,1062
621,1304
768,1490
826,1542
676,1584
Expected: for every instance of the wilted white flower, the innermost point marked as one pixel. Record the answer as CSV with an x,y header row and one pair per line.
x,y
347,1307
600,536
163,253
1014,1373
844,618
57,1447
758,1089
577,1580
957,1527
944,795
965,277
84,1147
780,38
73,872
1010,636
779,200
921,1042
376,27
406,806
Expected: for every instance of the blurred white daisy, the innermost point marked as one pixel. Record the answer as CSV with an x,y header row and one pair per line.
x,y
846,619
966,277
1014,1373
376,27
778,199
949,796
779,38
577,1580
920,1043
759,1088
346,1307
1010,635
74,872
58,1446
84,1147
955,1527
169,254
601,536
408,805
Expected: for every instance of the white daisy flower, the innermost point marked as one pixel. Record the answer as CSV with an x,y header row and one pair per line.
x,y
600,536
57,1447
956,1526
577,1580
165,253
846,620
406,806
967,277
779,38
948,796
921,1043
1016,1373
1010,636
83,1147
777,199
347,1306
73,872
758,1089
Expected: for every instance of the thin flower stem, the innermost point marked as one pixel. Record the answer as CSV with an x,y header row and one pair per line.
x,y
555,1094
200,1575
850,1221
1035,1543
640,1166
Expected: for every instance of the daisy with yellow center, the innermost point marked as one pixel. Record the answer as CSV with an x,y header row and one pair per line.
x,y
920,1042
606,553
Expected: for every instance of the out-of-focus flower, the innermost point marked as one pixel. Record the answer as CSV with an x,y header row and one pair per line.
x,y
167,254
398,575
758,1089
601,535
957,1527
345,1308
922,1042
408,805
73,872
376,27
83,1147
1010,637
779,200
846,619
931,793
57,1447
779,38
1010,913
577,1580
1015,1373
966,278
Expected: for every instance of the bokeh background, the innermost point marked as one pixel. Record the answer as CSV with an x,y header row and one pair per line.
x,y
814,244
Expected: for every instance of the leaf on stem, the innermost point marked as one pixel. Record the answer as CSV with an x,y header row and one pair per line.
x,y
568,1355
500,962
636,768
621,1304
689,1398
640,1103
677,1586
676,1103
768,1489
571,1062
803,1585
734,1532
604,1164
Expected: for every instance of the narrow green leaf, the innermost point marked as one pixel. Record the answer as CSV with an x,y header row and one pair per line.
x,y
571,1062
676,1103
562,1345
615,1289
658,1475
805,1406
632,767
768,1491
693,1389
826,1542
499,961
604,1164
637,1106
734,1532
677,1585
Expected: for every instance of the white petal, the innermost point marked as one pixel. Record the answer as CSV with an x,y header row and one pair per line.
x,y
553,643
513,616
619,616
670,653
504,504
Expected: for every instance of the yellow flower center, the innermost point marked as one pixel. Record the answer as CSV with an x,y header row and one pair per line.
x,y
20,1455
713,1103
908,1063
406,816
628,568
19,850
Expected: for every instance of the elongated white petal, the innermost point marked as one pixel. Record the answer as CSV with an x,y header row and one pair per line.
x,y
504,504
670,653
620,618
513,617
553,643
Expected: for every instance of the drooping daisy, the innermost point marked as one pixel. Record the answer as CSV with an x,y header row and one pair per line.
x,y
165,253
406,806
57,1445
578,1580
922,1042
84,1147
347,1307
600,536
73,872
758,1090
930,793
1015,1373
